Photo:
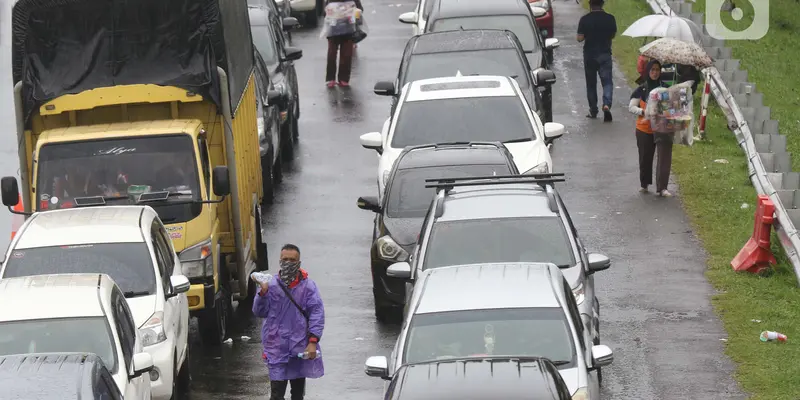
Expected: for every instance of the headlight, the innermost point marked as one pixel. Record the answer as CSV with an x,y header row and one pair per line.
x,y
542,168
540,3
581,394
389,250
195,260
153,330
579,293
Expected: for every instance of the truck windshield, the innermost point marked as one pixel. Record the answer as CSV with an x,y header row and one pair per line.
x,y
120,170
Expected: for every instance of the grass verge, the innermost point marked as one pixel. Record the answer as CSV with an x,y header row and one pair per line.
x,y
713,194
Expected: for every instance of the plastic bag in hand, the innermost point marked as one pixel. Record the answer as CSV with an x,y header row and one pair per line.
x,y
262,277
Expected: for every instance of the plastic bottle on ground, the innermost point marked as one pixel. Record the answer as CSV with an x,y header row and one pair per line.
x,y
767,336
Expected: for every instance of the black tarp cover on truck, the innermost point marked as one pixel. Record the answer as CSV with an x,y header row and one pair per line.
x,y
68,46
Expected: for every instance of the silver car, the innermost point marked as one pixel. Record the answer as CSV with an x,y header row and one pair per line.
x,y
517,310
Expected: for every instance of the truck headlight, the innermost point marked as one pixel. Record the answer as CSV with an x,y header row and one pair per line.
x,y
542,168
389,250
581,394
153,330
195,261
579,293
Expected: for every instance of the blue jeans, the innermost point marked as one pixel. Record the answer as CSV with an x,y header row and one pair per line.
x,y
594,66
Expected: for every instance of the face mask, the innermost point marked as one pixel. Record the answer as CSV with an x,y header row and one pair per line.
x,y
289,270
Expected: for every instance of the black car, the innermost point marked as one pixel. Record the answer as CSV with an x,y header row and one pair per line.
x,y
268,104
269,39
469,52
479,378
399,215
513,15
63,376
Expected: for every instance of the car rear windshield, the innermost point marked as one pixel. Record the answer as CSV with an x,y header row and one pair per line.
x,y
60,335
538,239
128,264
501,118
522,332
519,24
408,196
502,62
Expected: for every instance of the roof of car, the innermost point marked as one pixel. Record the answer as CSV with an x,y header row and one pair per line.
x,y
88,225
488,286
54,296
467,8
64,376
474,379
506,201
466,40
440,155
455,87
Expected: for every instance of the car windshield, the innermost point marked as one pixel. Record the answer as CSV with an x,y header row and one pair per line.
x,y
521,332
262,39
128,264
538,239
408,196
502,62
519,24
60,335
499,118
119,170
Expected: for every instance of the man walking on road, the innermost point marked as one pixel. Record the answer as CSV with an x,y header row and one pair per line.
x,y
293,322
597,28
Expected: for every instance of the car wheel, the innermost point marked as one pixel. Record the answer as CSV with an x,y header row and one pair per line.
x,y
277,169
287,145
295,129
184,376
383,312
174,395
267,180
311,18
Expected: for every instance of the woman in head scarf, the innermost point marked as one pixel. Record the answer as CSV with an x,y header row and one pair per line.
x,y
648,142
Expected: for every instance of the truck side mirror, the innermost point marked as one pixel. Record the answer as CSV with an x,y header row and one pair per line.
x,y
9,191
221,181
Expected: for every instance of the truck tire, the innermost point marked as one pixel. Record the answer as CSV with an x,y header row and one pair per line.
x,y
262,261
311,17
214,321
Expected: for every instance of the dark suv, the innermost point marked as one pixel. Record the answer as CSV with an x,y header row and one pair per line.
x,y
399,215
521,218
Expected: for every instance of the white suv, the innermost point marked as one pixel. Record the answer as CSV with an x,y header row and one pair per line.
x,y
80,313
130,244
464,109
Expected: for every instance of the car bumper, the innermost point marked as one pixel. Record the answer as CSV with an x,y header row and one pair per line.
x,y
163,366
390,289
303,5
198,295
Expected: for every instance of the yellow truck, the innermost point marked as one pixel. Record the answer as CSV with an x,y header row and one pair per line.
x,y
147,102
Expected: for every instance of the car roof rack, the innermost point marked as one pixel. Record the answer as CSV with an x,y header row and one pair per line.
x,y
544,180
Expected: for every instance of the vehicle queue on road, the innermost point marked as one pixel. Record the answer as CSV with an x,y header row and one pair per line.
x,y
472,243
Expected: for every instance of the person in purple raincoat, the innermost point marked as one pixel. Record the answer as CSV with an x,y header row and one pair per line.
x,y
289,331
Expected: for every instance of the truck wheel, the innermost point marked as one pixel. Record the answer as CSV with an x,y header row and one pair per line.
x,y
267,180
214,321
311,18
262,262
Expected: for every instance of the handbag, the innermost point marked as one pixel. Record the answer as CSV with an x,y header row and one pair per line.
x,y
302,311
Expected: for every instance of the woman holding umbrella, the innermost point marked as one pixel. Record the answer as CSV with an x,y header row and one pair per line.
x,y
648,142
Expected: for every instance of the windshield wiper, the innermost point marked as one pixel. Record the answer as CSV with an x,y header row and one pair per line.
x,y
159,196
561,362
525,139
95,200
133,293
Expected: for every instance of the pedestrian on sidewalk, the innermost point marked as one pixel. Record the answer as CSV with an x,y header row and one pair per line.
x,y
341,43
648,142
293,322
597,28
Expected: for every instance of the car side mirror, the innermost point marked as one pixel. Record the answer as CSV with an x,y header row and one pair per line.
x,y
373,141
401,270
290,23
378,367
544,77
275,97
369,203
601,356
9,191
408,17
221,180
551,43
598,262
553,130
293,54
385,88
538,11
180,284
142,364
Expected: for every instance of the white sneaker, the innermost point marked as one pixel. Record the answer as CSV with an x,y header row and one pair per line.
x,y
665,193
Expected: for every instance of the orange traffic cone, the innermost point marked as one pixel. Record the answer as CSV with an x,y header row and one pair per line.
x,y
17,219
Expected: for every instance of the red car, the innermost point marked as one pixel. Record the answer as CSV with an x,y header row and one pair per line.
x,y
544,21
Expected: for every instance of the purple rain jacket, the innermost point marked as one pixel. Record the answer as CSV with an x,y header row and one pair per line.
x,y
283,333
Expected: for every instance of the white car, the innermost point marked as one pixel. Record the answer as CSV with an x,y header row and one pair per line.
x,y
82,313
464,109
419,17
130,244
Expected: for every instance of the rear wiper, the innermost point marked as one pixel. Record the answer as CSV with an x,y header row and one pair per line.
x,y
133,293
518,140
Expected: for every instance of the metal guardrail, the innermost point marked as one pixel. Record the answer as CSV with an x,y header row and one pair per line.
x,y
787,233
